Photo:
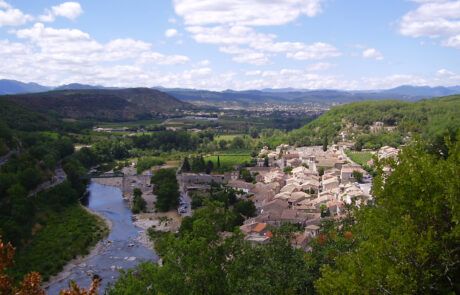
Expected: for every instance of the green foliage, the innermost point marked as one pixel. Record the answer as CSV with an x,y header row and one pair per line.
x,y
198,164
246,175
408,242
136,281
432,118
73,227
245,208
166,189
287,170
228,161
358,176
186,165
139,204
146,163
360,158
200,261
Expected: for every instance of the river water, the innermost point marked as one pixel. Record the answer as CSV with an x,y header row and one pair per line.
x,y
121,250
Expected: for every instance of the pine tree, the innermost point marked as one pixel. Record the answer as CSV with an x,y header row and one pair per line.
x,y
186,165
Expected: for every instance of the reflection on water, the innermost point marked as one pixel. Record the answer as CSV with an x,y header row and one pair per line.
x,y
121,250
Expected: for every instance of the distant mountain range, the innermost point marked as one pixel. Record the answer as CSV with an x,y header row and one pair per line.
x,y
285,95
101,104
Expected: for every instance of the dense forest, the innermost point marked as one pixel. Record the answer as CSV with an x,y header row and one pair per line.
x,y
36,209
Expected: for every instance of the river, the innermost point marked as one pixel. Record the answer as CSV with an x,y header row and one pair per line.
x,y
120,250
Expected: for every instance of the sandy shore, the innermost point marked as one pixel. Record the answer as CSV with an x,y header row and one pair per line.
x,y
67,270
113,181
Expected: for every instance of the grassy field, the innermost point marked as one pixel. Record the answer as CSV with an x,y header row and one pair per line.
x,y
227,161
360,157
66,235
227,137
129,123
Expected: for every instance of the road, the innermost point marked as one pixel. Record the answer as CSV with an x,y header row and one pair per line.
x,y
59,177
4,159
187,201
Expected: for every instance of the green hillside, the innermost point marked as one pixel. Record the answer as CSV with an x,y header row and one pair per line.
x,y
432,119
107,104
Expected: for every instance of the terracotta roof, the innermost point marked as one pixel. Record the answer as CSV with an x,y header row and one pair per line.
x,y
259,227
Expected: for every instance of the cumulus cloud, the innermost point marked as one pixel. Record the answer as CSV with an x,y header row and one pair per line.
x,y
249,46
70,10
317,50
245,55
372,53
245,12
171,33
434,19
231,25
320,66
54,56
10,16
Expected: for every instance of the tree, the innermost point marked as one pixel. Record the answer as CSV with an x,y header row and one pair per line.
x,y
358,176
325,142
222,144
408,242
218,162
166,189
139,203
321,171
238,143
31,282
246,175
186,165
209,167
245,208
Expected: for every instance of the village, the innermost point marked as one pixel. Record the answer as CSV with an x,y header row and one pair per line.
x,y
301,186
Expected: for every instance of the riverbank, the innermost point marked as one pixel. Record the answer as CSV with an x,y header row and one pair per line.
x,y
124,248
81,259
61,237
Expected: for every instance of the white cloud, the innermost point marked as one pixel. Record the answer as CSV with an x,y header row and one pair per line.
x,y
70,10
171,33
453,42
246,55
10,16
444,73
434,19
230,23
249,46
372,53
320,66
314,51
53,56
245,12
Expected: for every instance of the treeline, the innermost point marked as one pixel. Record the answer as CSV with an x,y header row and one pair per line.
x,y
171,140
197,164
406,242
432,119
166,189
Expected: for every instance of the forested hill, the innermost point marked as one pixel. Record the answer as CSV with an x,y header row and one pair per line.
x,y
108,104
432,119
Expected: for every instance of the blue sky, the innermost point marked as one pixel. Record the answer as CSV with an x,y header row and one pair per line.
x,y
237,44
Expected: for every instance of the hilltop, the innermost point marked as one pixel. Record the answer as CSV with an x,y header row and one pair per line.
x,y
432,119
107,104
